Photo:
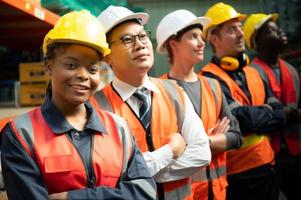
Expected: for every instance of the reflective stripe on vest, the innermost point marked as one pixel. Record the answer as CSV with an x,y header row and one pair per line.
x,y
211,105
256,149
62,168
180,193
214,174
168,108
252,139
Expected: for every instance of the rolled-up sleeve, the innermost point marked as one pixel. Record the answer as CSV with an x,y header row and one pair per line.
x,y
197,152
158,159
233,136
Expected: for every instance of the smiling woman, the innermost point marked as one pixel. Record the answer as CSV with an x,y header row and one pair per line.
x,y
74,72
66,149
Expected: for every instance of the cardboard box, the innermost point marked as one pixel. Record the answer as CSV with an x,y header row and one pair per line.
x,y
32,72
32,94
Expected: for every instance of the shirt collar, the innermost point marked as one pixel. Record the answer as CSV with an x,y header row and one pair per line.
x,y
60,125
126,90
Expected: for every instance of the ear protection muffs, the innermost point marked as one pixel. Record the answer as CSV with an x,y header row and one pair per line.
x,y
229,63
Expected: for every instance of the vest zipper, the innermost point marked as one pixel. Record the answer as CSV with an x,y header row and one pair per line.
x,y
86,169
91,180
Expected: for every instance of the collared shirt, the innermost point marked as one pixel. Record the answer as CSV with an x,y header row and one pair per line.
x,y
126,92
160,162
23,177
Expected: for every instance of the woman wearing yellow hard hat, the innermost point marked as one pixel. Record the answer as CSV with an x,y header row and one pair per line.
x,y
65,149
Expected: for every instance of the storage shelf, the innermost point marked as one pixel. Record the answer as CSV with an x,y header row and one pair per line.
x,y
23,25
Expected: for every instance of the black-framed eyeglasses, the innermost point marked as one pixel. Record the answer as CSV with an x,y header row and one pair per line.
x,y
129,40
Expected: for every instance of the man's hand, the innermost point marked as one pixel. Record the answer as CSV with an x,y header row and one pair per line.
x,y
177,144
221,127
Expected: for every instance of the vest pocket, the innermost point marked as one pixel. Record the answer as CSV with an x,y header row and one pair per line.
x,y
110,178
59,163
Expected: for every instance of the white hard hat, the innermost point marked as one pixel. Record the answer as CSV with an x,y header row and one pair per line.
x,y
115,15
174,22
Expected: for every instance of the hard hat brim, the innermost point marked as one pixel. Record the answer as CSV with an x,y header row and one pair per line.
x,y
103,50
208,30
204,21
273,16
141,17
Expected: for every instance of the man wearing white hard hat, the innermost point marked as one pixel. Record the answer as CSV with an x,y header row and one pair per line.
x,y
268,40
250,169
166,128
179,34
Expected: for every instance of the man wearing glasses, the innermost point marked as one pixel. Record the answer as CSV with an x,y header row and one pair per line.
x,y
167,130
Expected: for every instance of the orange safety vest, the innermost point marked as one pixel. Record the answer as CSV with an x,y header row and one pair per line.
x,y
168,109
256,149
60,163
4,121
211,106
287,92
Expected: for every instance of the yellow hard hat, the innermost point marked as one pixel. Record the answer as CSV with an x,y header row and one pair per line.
x,y
220,13
253,24
79,27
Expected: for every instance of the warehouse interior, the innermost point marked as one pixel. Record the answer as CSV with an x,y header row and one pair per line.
x,y
24,23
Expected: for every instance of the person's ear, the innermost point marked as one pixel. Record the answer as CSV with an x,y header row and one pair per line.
x,y
108,59
214,40
173,44
49,67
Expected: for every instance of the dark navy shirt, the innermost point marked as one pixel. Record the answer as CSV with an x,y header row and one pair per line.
x,y
23,177
253,119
